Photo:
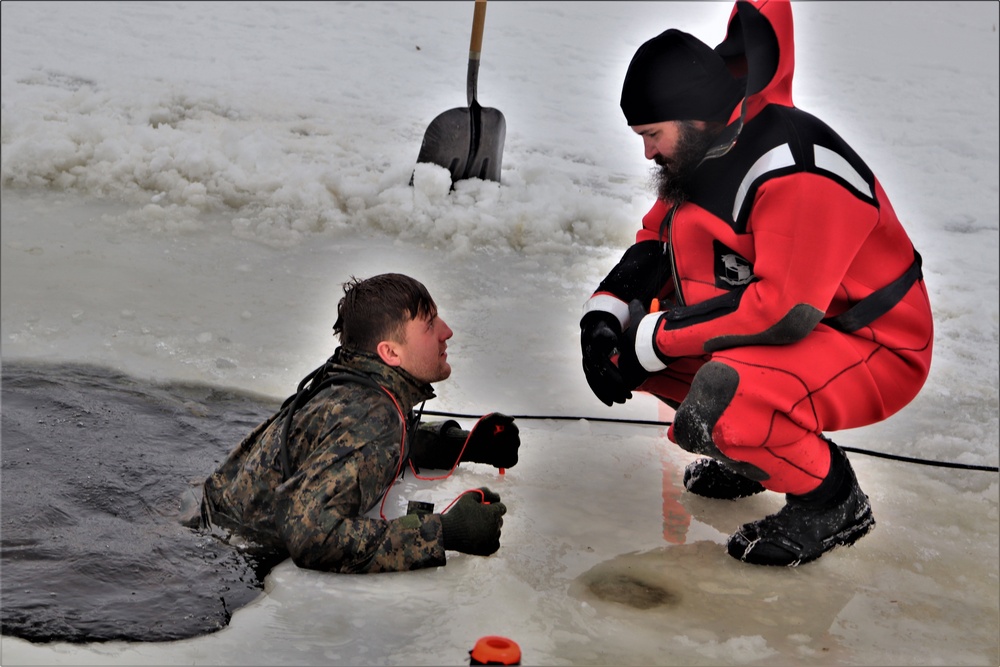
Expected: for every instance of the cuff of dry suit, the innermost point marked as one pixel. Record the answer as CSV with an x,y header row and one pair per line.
x,y
612,305
646,350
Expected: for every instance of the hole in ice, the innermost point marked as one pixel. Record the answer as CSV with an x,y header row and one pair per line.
x,y
630,591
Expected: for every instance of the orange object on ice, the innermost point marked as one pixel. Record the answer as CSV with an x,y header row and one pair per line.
x,y
493,650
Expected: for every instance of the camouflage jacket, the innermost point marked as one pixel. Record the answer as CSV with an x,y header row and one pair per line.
x,y
345,450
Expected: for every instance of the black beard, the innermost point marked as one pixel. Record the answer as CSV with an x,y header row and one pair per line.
x,y
672,180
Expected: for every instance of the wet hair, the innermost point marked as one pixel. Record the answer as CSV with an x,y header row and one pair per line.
x,y
378,308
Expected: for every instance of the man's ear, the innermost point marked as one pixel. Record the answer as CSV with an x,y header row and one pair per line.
x,y
388,352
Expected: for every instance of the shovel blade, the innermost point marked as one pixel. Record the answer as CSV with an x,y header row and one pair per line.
x,y
466,141
486,158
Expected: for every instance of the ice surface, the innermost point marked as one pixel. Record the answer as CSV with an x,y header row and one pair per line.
x,y
186,185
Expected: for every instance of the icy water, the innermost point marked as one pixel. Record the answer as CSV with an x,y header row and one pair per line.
x,y
99,554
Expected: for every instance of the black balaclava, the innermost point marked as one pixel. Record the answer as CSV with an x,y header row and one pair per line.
x,y
676,76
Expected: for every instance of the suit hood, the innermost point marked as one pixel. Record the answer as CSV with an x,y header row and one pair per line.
x,y
759,49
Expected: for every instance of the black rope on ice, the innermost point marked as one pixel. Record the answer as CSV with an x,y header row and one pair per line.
x,y
645,422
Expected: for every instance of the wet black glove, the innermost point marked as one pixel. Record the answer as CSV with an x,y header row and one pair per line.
x,y
600,335
473,525
433,446
495,439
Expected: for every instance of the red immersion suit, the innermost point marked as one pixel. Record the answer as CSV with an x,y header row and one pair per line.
x,y
792,298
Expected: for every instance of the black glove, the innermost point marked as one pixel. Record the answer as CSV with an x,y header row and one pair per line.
x,y
630,370
600,335
495,439
473,525
433,446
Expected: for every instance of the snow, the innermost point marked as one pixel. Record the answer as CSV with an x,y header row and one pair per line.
x,y
187,184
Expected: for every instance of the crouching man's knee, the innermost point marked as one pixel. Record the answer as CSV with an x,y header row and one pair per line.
x,y
712,391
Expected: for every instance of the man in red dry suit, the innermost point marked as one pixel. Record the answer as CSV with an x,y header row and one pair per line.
x,y
771,294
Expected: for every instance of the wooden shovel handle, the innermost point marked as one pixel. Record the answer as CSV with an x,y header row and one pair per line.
x,y
478,21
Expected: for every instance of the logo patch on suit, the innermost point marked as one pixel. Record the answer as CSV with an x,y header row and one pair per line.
x,y
731,269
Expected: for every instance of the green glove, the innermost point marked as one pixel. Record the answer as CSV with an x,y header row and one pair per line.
x,y
473,525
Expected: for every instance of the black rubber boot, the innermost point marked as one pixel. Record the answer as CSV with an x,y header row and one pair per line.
x,y
712,479
836,513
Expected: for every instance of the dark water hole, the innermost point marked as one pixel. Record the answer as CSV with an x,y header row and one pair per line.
x,y
93,467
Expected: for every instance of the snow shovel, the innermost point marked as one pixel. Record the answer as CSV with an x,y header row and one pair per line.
x,y
467,141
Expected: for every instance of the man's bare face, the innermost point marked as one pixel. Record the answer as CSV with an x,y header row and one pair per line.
x,y
677,148
423,352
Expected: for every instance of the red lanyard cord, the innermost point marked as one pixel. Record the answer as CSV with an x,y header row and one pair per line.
x,y
479,491
399,468
402,450
457,458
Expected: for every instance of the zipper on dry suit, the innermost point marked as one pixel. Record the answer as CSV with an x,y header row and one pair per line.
x,y
729,137
668,250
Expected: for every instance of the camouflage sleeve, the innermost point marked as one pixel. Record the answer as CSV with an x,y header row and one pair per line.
x,y
319,510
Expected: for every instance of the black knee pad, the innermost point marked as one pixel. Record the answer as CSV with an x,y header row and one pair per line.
x,y
711,393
